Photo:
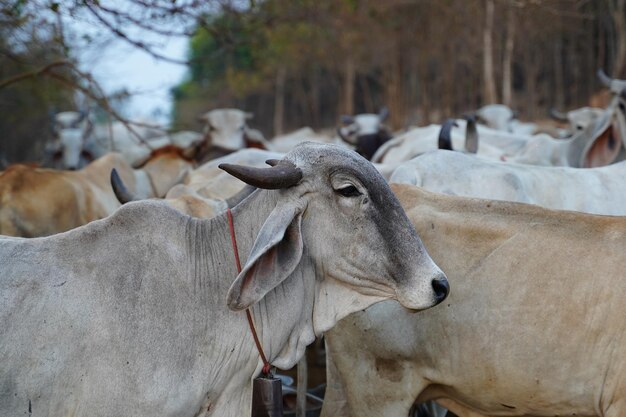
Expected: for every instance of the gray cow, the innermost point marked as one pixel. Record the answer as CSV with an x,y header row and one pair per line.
x,y
140,313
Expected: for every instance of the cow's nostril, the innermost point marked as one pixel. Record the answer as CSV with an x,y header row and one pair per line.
x,y
441,288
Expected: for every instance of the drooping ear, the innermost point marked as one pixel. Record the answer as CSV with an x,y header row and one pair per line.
x,y
274,256
604,149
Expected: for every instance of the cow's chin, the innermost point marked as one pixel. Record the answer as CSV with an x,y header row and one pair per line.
x,y
335,300
295,348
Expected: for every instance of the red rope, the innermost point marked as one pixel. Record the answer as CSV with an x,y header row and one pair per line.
x,y
266,364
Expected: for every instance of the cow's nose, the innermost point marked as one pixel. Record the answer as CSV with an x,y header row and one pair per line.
x,y
441,288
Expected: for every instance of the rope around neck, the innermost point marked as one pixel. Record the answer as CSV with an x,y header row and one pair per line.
x,y
266,364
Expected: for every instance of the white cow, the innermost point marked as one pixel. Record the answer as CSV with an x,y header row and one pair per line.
x,y
578,119
226,131
598,145
71,130
140,313
533,326
594,190
80,140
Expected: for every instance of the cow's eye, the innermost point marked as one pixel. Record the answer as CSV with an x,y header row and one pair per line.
x,y
348,191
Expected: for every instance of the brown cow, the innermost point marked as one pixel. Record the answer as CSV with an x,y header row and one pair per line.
x,y
40,202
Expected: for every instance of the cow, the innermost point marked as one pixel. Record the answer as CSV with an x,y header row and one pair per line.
x,y
141,313
80,140
594,190
40,202
533,327
366,132
205,191
598,145
578,119
71,130
225,131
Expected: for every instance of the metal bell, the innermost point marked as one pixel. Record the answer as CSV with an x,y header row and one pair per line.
x,y
267,397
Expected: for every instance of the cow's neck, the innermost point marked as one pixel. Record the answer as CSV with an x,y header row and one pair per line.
x,y
282,318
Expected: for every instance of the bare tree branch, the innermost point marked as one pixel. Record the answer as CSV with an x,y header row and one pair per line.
x,y
34,73
137,44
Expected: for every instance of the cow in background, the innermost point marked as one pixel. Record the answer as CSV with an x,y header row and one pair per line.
x,y
366,132
226,131
39,202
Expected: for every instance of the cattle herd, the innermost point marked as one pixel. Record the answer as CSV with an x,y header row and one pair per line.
x,y
437,290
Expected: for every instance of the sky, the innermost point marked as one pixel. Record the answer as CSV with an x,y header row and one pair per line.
x,y
120,65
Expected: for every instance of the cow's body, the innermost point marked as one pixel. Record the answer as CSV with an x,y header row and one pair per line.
x,y
141,313
591,190
534,325
40,202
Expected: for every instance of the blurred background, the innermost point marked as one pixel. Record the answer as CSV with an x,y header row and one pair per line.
x,y
297,63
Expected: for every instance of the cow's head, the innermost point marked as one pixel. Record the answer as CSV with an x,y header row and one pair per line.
x,y
71,128
335,215
578,119
226,128
496,116
604,139
366,132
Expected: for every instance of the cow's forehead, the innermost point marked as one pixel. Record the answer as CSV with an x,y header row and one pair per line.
x,y
311,157
67,117
227,116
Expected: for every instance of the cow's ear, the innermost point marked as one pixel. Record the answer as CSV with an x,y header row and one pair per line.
x,y
274,256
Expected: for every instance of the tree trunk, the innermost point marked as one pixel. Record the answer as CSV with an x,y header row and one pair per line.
x,y
488,70
617,14
559,93
507,64
315,98
279,101
393,88
348,86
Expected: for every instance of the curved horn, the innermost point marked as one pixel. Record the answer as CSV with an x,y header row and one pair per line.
x,y
120,190
445,137
272,162
557,115
604,79
283,175
471,135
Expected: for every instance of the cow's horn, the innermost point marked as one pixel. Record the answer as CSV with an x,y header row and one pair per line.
x,y
557,115
120,190
283,175
272,162
604,79
471,135
445,136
